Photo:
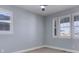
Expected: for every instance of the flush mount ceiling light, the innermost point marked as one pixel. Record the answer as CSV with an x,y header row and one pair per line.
x,y
43,7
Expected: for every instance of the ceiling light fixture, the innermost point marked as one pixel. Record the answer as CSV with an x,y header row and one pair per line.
x,y
43,7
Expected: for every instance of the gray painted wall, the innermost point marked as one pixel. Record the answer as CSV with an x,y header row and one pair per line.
x,y
62,43
28,31
31,30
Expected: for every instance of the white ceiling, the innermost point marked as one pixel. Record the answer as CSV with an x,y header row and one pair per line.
x,y
50,9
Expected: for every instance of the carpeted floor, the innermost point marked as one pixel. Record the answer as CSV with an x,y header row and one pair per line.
x,y
47,50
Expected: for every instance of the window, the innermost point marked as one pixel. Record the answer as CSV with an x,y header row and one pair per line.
x,y
55,30
5,22
64,27
55,27
76,25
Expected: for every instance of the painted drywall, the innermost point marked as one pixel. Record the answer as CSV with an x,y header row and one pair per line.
x,y
31,30
28,31
62,43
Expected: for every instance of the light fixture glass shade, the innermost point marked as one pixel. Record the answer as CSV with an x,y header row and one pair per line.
x,y
42,6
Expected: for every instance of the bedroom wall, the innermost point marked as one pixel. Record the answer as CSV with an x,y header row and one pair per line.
x,y
61,43
32,30
28,30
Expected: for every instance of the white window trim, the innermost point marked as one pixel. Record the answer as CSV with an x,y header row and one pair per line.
x,y
59,27
73,34
53,22
10,21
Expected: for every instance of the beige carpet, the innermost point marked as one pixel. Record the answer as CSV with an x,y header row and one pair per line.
x,y
46,50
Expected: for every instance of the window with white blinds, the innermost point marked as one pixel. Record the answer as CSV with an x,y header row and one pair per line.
x,y
64,27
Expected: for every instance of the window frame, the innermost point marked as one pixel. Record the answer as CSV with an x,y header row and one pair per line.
x,y
7,21
73,33
53,23
70,26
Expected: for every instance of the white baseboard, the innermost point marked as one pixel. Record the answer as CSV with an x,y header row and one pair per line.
x,y
48,46
68,50
30,49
